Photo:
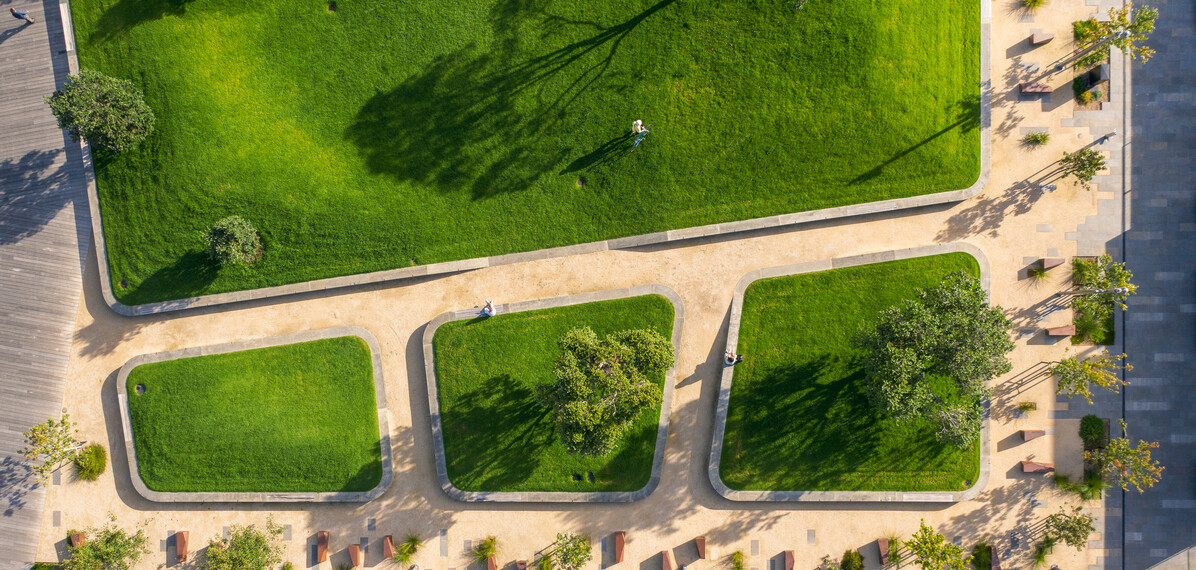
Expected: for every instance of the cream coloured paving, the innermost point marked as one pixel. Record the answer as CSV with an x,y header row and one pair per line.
x,y
1009,222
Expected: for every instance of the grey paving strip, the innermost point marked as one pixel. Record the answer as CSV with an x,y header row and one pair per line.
x,y
724,393
662,430
665,237
261,497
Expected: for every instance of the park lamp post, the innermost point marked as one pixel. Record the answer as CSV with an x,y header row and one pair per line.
x,y
1121,291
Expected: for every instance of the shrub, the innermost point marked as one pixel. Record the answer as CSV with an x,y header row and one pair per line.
x,y
1037,274
547,563
407,549
233,240
246,548
1033,4
90,464
107,548
1079,86
572,551
1025,407
1035,139
1085,31
851,561
1042,550
737,560
982,556
485,549
109,113
288,566
1087,97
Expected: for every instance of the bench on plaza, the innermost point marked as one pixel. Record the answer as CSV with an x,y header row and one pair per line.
x,y
1041,38
1031,434
666,560
1050,262
1037,467
491,563
388,547
700,542
788,560
620,542
322,546
1067,330
1034,88
180,545
77,539
882,544
355,555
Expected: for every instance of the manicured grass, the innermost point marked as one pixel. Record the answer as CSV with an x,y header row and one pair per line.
x,y
299,417
496,436
799,419
393,133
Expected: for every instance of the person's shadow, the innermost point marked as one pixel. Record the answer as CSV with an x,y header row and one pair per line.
x,y
10,32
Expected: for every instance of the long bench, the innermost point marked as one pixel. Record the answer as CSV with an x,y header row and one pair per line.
x,y
1037,467
180,545
322,546
620,543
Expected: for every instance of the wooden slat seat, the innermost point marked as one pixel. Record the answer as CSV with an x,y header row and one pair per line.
x,y
700,542
491,563
788,560
1036,467
180,545
882,544
322,546
1050,262
666,560
388,547
355,555
1066,330
1030,434
620,543
1034,88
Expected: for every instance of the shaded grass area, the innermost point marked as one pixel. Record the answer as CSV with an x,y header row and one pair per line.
x,y
496,436
298,417
799,419
391,133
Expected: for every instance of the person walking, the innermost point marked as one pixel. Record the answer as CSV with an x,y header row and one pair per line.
x,y
21,15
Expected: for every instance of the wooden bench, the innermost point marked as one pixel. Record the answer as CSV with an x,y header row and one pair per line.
x,y
1030,434
666,560
700,542
788,560
1040,39
620,542
1034,88
77,539
882,544
388,547
491,563
322,546
1050,262
1036,467
180,545
1067,330
355,555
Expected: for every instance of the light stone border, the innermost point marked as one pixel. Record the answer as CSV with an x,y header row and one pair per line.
x,y
662,429
665,237
724,393
261,497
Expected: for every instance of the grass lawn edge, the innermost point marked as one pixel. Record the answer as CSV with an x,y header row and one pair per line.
x,y
553,496
723,404
271,496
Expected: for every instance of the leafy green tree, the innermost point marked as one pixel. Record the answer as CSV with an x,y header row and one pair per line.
x,y
1127,464
950,333
932,551
109,113
1103,274
602,386
233,240
107,548
49,445
1076,377
1128,28
571,551
247,548
1072,528
1082,165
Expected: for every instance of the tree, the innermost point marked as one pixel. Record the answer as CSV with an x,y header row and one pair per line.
x,y
233,240
946,333
108,548
247,548
1076,377
1128,28
1127,464
53,443
1105,275
1082,164
602,386
932,551
571,551
1072,528
852,560
110,113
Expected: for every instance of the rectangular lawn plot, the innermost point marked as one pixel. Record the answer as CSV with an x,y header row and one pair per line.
x,y
394,133
292,418
798,417
496,436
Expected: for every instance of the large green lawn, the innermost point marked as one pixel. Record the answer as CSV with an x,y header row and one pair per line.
x,y
299,417
496,436
393,133
799,419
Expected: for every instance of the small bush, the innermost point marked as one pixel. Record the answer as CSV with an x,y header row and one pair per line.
x,y
233,240
1035,139
982,556
547,563
851,561
1025,407
288,566
1036,274
1092,431
1090,96
109,113
737,560
407,549
1033,4
92,462
1085,31
1085,272
1091,488
485,549
1042,550
1079,86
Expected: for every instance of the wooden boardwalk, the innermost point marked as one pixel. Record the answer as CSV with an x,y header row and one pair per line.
x,y
44,232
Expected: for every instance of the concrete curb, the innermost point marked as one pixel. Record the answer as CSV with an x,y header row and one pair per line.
x,y
665,237
260,497
662,430
724,392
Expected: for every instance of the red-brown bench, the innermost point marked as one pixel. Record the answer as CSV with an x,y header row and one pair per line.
x,y
388,547
491,563
666,560
788,560
1050,262
180,545
620,542
322,546
1036,467
355,555
882,544
1034,88
700,542
77,539
1067,330
1030,434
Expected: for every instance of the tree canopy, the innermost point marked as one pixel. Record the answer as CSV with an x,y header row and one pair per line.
x,y
247,548
1128,28
109,113
1129,465
602,385
932,550
1076,376
107,548
932,357
1072,528
49,444
571,551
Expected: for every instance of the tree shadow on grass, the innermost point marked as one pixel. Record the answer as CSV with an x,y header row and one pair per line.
x,y
128,14
492,434
479,120
186,277
967,118
610,151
